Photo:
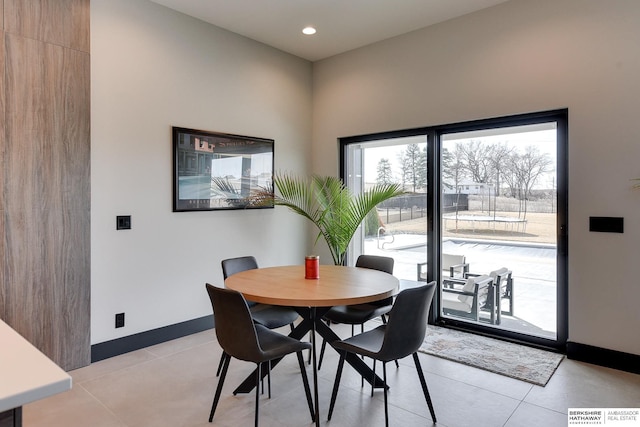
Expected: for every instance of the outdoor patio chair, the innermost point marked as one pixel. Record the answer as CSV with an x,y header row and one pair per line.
x,y
503,288
453,265
505,292
466,297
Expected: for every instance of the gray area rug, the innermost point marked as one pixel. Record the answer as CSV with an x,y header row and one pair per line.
x,y
512,360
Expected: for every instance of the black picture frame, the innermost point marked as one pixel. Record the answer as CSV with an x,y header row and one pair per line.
x,y
219,171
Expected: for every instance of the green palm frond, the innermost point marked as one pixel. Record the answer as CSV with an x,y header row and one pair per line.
x,y
329,205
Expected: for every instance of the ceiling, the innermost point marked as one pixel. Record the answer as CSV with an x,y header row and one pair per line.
x,y
342,25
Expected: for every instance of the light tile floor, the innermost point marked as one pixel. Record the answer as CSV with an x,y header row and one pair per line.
x,y
172,384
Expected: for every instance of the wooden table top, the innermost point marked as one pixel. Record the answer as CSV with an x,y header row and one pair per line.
x,y
337,285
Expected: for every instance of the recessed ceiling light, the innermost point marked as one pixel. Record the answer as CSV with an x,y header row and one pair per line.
x,y
309,31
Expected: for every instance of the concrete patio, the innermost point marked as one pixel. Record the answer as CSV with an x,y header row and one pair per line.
x,y
533,266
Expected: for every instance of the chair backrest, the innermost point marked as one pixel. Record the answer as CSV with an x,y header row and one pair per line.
x,y
236,265
479,286
501,278
375,262
233,323
407,323
232,266
449,260
458,262
380,263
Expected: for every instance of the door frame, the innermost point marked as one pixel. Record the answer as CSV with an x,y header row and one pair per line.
x,y
560,117
434,226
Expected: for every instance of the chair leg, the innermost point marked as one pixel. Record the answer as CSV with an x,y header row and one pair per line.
x,y
511,302
384,322
292,328
222,356
373,379
305,382
322,348
268,381
386,405
269,377
258,377
425,390
362,377
223,374
334,394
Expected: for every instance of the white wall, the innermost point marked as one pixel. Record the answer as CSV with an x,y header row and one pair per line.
x,y
521,56
152,68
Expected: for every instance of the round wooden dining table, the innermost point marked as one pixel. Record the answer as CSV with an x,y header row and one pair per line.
x,y
336,285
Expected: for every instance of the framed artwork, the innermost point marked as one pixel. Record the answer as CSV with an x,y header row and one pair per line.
x,y
215,171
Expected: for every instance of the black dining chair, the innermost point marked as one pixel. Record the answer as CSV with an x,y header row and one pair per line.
x,y
240,337
359,314
402,336
269,316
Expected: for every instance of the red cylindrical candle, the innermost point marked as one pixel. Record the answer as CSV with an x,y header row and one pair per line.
x,y
312,267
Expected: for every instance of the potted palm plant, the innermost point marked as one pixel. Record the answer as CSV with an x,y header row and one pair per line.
x,y
329,205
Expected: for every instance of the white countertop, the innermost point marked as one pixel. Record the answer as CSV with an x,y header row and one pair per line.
x,y
26,375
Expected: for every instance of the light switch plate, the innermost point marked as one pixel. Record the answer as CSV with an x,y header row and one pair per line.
x,y
123,222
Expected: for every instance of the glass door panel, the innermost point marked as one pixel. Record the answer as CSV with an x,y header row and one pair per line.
x,y
499,210
398,228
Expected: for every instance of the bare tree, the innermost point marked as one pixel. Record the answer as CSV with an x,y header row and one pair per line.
x,y
525,171
500,154
498,157
477,159
509,176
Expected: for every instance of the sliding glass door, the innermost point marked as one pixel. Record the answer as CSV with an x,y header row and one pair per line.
x,y
483,198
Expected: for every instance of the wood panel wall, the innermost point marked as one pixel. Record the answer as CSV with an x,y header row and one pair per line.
x,y
45,178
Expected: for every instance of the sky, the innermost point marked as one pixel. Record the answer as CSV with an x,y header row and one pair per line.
x,y
542,136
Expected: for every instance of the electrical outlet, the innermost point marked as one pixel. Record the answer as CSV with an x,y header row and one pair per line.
x,y
120,320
